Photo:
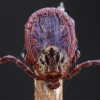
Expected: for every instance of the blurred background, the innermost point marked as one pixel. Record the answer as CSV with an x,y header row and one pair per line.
x,y
14,83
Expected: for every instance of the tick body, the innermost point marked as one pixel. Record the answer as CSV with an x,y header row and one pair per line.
x,y
51,45
50,31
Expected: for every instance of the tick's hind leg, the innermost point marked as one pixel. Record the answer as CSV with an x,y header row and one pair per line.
x,y
80,66
21,64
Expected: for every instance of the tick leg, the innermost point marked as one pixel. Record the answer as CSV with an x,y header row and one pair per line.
x,y
20,64
26,59
80,66
76,57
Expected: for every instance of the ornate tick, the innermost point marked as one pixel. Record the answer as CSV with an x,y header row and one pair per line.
x,y
51,46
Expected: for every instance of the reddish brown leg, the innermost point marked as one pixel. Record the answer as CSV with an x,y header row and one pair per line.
x,y
21,64
26,59
76,57
80,66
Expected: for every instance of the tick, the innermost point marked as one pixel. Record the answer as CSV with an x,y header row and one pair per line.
x,y
51,46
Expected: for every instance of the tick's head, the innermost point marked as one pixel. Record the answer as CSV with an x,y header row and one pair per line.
x,y
52,62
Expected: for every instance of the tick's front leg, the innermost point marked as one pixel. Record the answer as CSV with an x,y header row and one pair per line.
x,y
20,64
80,66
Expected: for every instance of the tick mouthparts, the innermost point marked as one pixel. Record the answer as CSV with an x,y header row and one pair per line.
x,y
52,73
52,76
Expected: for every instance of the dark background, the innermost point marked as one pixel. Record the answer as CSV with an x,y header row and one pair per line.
x,y
14,83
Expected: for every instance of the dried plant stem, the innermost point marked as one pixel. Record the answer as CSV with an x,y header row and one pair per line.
x,y
42,92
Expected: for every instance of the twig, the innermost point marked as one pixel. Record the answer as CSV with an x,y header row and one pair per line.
x,y
42,92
